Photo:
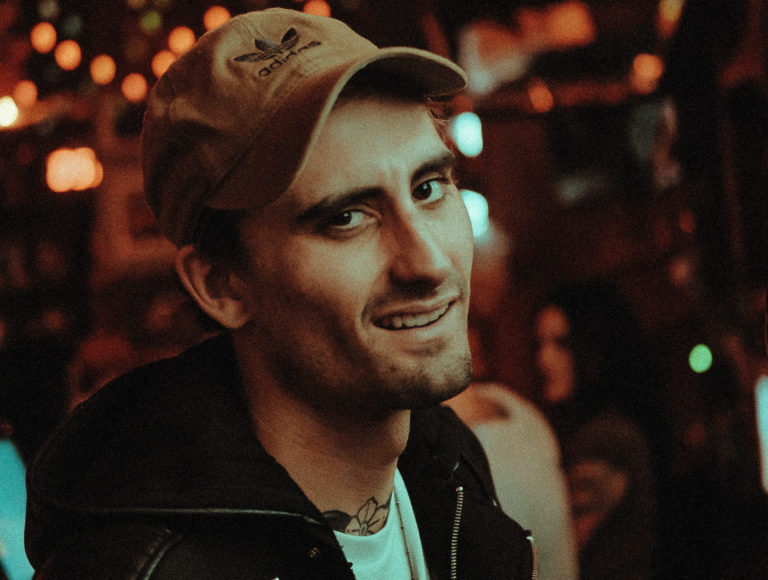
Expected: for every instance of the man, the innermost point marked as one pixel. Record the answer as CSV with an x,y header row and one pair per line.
x,y
305,182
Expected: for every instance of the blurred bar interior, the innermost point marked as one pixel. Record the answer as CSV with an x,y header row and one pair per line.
x,y
626,139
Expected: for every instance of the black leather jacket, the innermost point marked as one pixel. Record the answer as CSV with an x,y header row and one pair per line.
x,y
160,476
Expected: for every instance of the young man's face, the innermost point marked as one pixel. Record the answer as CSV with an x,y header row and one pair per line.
x,y
359,274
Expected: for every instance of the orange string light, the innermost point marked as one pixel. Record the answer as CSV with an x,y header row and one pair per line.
x,y
215,16
317,7
134,87
43,37
25,93
181,39
161,61
103,69
68,54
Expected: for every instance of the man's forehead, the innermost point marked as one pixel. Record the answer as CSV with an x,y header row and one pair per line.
x,y
364,139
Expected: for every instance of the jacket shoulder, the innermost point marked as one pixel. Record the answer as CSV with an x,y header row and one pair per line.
x,y
195,549
91,554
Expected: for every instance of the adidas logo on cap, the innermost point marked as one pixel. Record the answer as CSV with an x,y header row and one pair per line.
x,y
278,53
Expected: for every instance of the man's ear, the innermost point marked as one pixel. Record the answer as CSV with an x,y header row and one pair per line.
x,y
219,292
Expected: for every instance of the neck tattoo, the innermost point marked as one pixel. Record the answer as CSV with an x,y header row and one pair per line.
x,y
369,519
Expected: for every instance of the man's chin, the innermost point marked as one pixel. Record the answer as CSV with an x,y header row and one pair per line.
x,y
424,391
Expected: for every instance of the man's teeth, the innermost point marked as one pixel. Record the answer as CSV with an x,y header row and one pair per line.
x,y
400,321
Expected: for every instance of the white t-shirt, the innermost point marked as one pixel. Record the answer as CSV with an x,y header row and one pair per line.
x,y
383,554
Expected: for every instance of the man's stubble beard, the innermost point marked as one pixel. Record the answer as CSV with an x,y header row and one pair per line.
x,y
390,388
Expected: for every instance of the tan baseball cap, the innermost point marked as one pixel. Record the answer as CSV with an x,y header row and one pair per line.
x,y
231,123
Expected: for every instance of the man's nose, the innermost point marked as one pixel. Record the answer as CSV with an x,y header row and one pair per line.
x,y
419,251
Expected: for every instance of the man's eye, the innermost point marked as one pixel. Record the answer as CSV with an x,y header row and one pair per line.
x,y
346,220
431,190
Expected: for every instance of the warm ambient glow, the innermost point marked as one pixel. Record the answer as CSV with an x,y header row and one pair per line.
x,y
161,61
646,72
318,7
669,16
570,24
43,37
73,169
181,39
215,16
134,87
68,54
9,112
541,97
25,93
103,69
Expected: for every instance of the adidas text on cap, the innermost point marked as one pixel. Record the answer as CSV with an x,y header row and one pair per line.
x,y
231,122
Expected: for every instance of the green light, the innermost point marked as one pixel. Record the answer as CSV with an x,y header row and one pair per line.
x,y
72,26
700,359
151,21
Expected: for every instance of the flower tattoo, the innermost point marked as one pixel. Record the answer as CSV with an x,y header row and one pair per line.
x,y
369,519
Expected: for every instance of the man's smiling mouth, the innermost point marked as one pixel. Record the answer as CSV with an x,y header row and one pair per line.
x,y
407,321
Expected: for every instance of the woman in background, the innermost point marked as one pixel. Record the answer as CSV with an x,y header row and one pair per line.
x,y
601,394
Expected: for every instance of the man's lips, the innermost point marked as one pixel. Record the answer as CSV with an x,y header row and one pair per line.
x,y
407,320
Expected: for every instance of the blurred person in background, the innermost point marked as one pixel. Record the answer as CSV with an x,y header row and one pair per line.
x,y
601,393
521,446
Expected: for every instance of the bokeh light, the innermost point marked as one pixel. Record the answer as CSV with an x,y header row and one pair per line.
x,y
25,93
134,87
477,208
540,96
69,169
43,37
700,358
466,131
48,9
215,16
161,61
686,221
151,21
103,69
317,7
181,39
646,72
135,4
72,25
68,54
669,16
9,111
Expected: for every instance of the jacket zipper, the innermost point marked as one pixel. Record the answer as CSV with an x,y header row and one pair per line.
x,y
455,531
535,555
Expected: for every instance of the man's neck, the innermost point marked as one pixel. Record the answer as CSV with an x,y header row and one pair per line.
x,y
344,464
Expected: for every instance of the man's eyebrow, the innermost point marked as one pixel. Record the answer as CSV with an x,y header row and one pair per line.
x,y
446,160
334,204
